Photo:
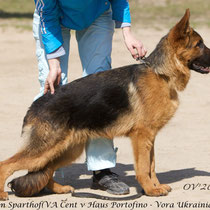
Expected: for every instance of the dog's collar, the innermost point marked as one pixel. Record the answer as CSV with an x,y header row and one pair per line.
x,y
142,61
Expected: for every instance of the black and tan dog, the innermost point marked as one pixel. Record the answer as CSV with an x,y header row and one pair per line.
x,y
134,101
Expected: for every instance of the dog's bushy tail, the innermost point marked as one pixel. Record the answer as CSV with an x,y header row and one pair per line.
x,y
32,183
37,154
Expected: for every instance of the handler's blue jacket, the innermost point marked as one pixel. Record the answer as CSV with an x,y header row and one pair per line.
x,y
76,15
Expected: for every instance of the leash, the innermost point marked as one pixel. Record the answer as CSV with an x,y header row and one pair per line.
x,y
142,61
101,197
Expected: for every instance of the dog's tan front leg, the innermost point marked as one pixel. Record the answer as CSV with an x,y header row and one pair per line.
x,y
153,174
142,142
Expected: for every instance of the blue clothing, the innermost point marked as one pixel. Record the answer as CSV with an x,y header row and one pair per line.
x,y
76,15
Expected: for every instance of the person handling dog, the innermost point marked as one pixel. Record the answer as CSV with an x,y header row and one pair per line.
x,y
94,22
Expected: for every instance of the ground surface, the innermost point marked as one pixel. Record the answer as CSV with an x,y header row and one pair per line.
x,y
182,147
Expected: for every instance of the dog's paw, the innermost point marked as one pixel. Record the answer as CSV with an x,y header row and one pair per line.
x,y
65,189
4,196
166,187
157,191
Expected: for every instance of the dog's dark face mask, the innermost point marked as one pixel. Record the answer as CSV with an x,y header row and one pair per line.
x,y
202,63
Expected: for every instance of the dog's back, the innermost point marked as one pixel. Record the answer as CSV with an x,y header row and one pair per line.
x,y
92,102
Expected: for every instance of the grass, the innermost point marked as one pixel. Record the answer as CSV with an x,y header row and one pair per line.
x,y
17,6
164,13
145,13
16,14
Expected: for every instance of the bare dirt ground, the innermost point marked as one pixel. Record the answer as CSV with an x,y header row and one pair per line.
x,y
182,147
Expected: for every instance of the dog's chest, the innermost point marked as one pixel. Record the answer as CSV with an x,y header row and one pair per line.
x,y
160,108
167,111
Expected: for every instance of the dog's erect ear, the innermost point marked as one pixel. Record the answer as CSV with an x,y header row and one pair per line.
x,y
182,28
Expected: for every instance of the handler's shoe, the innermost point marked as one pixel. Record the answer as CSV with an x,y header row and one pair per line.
x,y
109,182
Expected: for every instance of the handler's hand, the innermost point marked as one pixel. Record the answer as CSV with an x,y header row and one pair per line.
x,y
54,75
135,47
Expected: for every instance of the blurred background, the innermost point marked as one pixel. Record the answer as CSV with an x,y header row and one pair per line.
x,y
147,13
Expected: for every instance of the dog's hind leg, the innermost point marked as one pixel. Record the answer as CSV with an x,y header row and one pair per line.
x,y
5,172
20,161
142,142
33,159
58,188
66,159
33,182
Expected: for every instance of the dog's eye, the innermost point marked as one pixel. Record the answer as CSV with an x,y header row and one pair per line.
x,y
200,44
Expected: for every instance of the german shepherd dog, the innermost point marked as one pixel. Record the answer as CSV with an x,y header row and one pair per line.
x,y
134,101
